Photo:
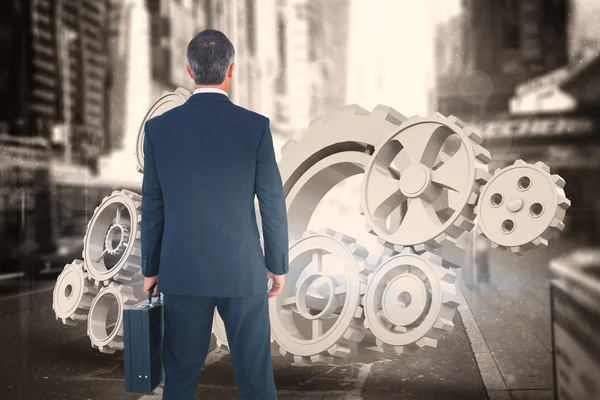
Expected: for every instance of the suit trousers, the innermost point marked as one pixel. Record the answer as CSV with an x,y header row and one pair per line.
x,y
188,324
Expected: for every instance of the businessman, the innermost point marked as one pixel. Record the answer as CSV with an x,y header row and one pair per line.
x,y
204,162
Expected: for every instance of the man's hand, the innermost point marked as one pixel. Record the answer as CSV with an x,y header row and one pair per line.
x,y
277,286
149,282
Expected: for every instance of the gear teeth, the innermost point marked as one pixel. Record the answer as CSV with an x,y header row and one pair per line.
x,y
540,241
308,233
339,351
482,154
303,360
518,250
388,114
563,202
434,258
321,359
481,176
542,166
289,144
449,276
408,250
559,181
520,162
426,342
369,229
358,250
464,223
283,352
496,246
444,324
317,122
556,223
354,335
182,91
408,350
353,109
361,210
451,300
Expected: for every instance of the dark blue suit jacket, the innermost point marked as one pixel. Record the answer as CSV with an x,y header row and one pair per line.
x,y
203,163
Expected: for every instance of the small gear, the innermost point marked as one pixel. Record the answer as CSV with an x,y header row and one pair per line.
x,y
167,101
317,317
522,207
409,302
431,169
113,299
119,213
73,294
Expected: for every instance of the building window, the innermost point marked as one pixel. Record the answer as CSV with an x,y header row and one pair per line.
x,y
511,24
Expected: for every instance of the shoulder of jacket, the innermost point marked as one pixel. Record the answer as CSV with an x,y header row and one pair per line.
x,y
251,114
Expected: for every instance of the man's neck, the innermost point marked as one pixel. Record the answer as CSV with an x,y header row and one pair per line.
x,y
220,87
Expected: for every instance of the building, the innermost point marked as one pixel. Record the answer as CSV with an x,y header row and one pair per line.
x,y
532,93
59,73
504,43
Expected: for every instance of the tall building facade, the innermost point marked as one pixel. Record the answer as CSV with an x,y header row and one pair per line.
x,y
58,70
506,42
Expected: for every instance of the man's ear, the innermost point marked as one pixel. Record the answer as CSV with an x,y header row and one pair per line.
x,y
189,71
230,72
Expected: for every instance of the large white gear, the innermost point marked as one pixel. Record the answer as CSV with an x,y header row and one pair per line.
x,y
317,317
522,207
108,220
73,294
114,297
167,101
410,302
336,146
436,191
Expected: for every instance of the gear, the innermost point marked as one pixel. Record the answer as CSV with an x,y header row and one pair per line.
x,y
409,302
167,101
336,147
121,212
432,170
317,317
522,207
73,294
114,298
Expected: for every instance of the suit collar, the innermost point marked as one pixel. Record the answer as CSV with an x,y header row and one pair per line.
x,y
208,97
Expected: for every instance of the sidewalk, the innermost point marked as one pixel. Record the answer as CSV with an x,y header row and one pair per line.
x,y
512,314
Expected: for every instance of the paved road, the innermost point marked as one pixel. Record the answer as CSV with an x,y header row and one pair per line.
x,y
40,359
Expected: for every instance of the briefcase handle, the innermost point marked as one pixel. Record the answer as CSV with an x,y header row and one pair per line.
x,y
150,291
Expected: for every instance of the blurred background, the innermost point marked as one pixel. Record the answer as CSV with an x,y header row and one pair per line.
x,y
78,76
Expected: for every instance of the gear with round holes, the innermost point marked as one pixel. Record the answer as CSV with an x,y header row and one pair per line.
x,y
336,146
112,245
431,169
410,301
167,101
73,294
317,317
522,207
112,299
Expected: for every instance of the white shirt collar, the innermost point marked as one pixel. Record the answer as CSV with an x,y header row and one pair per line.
x,y
210,90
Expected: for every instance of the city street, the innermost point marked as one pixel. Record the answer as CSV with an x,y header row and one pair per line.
x,y
43,359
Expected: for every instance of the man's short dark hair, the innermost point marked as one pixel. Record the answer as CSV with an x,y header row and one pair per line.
x,y
209,55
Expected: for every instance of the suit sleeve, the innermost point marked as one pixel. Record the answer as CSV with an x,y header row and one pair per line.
x,y
271,200
152,211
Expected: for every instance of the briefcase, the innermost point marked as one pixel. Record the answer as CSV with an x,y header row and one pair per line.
x,y
143,334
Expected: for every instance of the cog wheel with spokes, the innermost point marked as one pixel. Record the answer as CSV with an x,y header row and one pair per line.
x,y
410,301
167,101
431,169
73,294
522,207
112,246
113,299
317,317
